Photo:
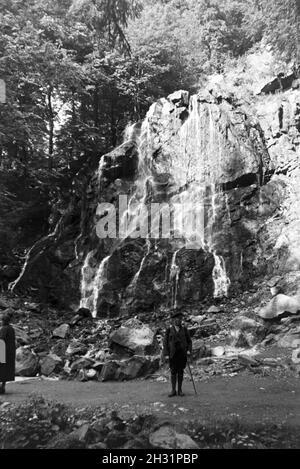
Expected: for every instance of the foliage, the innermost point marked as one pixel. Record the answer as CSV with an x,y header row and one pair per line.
x,y
283,28
77,71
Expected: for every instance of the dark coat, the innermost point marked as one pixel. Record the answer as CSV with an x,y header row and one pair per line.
x,y
172,338
7,370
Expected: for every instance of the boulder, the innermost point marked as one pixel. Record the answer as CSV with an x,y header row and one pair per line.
x,y
109,371
218,351
82,313
82,375
184,441
26,362
76,348
239,339
83,433
166,437
200,350
21,336
274,281
59,348
91,374
280,304
247,360
215,309
248,330
81,363
136,337
62,331
137,366
50,364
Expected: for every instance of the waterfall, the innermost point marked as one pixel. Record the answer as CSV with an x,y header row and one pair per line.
x,y
136,277
91,285
220,278
186,174
191,146
174,277
86,282
98,283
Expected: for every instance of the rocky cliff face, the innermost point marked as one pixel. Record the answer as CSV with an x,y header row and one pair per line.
x,y
200,151
222,176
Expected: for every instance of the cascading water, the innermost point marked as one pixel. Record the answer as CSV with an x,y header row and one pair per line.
x,y
220,278
92,280
86,282
136,277
98,283
185,176
174,278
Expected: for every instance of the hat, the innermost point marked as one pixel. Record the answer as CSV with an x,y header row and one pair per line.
x,y
175,314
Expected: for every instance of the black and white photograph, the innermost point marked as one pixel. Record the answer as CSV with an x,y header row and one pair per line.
x,y
149,228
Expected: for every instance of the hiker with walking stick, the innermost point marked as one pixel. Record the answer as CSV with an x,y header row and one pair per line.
x,y
176,348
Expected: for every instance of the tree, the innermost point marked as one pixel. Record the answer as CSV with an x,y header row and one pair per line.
x,y
283,28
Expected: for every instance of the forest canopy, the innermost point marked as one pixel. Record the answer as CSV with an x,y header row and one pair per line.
x,y
78,71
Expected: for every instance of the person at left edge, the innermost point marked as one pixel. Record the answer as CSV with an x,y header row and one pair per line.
x,y
8,353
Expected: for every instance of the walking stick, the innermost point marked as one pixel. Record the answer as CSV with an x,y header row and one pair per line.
x,y
191,377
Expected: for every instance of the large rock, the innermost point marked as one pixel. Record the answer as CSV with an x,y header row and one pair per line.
x,y
82,363
62,331
50,364
76,348
246,332
280,304
136,337
137,366
215,309
21,336
166,437
109,371
27,363
200,350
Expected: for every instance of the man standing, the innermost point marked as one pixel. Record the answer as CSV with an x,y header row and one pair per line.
x,y
177,347
7,358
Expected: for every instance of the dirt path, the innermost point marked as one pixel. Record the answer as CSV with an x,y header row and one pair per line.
x,y
254,399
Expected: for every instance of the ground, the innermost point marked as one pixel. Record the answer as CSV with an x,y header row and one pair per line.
x,y
254,399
